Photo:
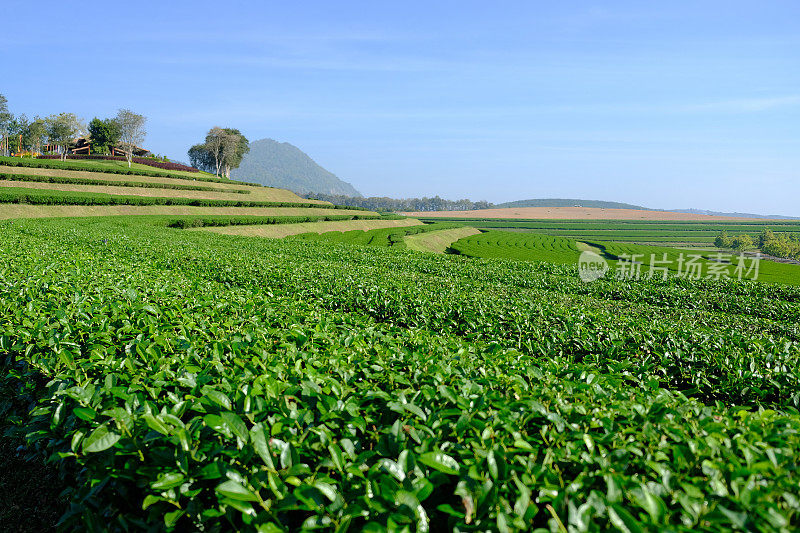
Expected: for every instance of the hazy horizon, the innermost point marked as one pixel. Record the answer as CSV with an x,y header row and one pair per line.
x,y
666,106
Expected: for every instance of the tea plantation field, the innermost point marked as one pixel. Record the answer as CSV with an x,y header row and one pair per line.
x,y
385,237
698,233
522,246
631,260
181,380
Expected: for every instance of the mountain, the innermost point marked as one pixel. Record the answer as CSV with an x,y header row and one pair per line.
x,y
283,165
570,202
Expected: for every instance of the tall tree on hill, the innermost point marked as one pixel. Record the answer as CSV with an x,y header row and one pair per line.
x,y
5,115
35,135
5,120
103,134
131,131
62,130
234,149
215,140
16,132
201,157
222,151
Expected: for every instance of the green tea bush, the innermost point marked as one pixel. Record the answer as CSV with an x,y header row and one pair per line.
x,y
191,381
211,221
21,195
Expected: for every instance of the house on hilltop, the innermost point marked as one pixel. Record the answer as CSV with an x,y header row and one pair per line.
x,y
82,146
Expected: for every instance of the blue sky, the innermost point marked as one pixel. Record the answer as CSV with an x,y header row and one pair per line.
x,y
663,104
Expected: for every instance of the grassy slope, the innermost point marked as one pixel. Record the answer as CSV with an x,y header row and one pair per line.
x,y
119,165
437,241
114,177
285,230
255,193
84,193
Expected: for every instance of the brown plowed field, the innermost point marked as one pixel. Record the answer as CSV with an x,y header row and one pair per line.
x,y
571,213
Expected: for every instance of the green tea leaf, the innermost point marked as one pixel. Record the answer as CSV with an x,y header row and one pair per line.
x,y
440,461
99,440
236,491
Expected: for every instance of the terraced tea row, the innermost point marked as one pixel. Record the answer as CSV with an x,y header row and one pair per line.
x,y
353,227
62,182
113,167
520,246
392,236
63,177
52,196
106,177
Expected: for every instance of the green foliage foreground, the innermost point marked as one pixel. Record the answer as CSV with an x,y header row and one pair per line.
x,y
182,380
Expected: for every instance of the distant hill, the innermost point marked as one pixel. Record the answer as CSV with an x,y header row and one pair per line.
x,y
741,215
569,202
283,165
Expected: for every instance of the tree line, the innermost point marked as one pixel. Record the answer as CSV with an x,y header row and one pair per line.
x,y
382,203
222,151
784,245
21,135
